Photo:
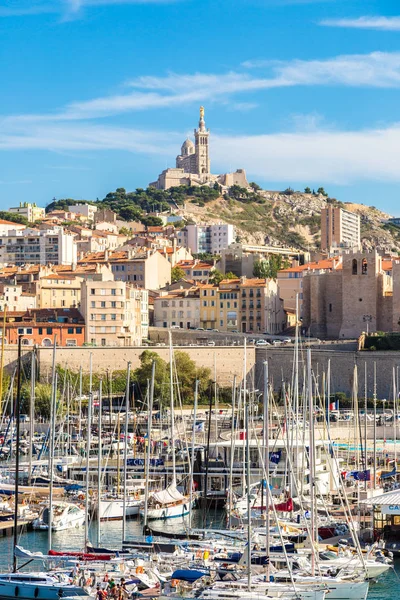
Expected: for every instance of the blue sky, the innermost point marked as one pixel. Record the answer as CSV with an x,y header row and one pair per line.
x,y
99,94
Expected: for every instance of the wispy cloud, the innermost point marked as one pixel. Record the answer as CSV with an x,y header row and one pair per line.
x,y
66,8
383,23
318,154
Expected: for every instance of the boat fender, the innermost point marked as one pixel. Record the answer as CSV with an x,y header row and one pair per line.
x,y
36,592
60,593
164,515
158,507
16,592
184,508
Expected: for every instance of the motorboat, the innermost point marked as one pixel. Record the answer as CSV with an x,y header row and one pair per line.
x,y
33,586
65,516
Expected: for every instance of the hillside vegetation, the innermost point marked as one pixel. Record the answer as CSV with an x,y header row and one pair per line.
x,y
287,218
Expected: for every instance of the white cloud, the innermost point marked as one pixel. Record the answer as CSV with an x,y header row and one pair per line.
x,y
316,154
330,156
383,23
378,69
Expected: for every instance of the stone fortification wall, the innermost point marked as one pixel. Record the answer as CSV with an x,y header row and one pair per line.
x,y
280,364
228,360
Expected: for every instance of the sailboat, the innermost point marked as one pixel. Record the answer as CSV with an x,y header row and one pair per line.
x,y
169,503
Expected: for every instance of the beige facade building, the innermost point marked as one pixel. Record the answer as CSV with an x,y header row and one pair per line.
x,y
245,305
145,269
31,211
239,258
177,308
114,313
339,229
59,291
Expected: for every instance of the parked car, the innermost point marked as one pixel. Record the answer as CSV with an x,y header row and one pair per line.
x,y
210,343
175,327
276,342
262,343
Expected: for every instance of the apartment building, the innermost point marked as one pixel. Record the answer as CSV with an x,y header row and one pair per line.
x,y
34,246
42,326
261,306
206,238
196,270
113,312
31,211
59,291
339,229
6,226
85,210
14,297
145,269
177,308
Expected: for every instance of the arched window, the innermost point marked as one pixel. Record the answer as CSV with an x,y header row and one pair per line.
x,y
26,342
364,267
354,266
47,342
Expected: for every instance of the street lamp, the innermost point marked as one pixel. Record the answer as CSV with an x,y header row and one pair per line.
x,y
367,319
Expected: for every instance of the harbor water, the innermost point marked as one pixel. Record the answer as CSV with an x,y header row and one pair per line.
x,y
386,588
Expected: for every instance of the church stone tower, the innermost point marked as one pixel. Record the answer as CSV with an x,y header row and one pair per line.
x,y
202,153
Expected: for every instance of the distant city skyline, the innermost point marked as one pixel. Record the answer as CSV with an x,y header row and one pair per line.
x,y
98,94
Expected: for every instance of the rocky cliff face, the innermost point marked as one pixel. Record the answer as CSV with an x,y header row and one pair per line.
x,y
289,219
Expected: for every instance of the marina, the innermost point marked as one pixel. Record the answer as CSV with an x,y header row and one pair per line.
x,y
279,496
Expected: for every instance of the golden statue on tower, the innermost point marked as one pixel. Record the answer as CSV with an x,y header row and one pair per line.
x,y
201,112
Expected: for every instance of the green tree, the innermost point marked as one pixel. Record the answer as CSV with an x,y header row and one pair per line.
x,y
177,273
307,190
230,275
151,221
261,269
321,190
268,268
187,373
14,218
254,186
142,375
216,277
125,231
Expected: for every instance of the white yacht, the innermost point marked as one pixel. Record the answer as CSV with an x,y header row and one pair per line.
x,y
65,516
33,586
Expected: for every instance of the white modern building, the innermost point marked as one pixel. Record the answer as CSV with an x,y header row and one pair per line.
x,y
34,246
206,238
86,210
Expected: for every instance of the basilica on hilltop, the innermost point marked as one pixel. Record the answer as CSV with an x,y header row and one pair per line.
x,y
193,164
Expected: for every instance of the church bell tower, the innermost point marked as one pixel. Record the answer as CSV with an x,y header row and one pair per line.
x,y
202,136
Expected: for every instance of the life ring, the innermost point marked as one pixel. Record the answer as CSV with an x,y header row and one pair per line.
x,y
139,569
16,592
199,554
36,592
88,582
174,582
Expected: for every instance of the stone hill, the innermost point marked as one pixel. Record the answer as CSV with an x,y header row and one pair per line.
x,y
288,218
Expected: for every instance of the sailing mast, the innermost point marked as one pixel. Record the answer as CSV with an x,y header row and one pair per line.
x,y
311,459
99,458
128,379
2,360
266,446
374,425
88,439
17,417
148,450
31,415
171,357
196,394
230,492
53,409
